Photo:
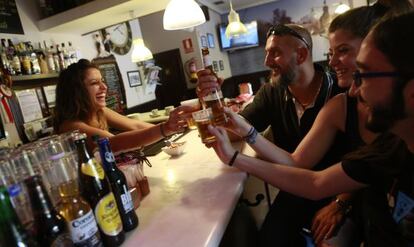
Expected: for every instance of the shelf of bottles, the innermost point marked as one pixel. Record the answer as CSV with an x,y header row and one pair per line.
x,y
53,7
54,193
24,61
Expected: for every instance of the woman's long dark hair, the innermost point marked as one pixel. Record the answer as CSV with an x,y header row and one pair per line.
x,y
72,98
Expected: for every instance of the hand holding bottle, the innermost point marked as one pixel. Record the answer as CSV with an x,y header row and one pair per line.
x,y
207,82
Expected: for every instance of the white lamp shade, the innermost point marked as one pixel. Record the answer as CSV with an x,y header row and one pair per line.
x,y
342,8
181,14
235,27
140,52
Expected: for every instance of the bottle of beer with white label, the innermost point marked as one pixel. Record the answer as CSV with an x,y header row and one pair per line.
x,y
96,189
79,216
214,99
119,186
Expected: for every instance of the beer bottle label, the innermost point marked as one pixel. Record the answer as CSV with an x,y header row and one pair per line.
x,y
126,199
84,231
93,170
213,96
107,215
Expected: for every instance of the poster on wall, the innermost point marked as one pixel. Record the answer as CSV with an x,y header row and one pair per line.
x,y
9,18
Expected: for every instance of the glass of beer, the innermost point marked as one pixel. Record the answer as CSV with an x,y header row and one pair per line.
x,y
195,103
203,118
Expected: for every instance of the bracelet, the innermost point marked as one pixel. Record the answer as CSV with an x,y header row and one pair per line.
x,y
233,158
343,206
162,130
250,138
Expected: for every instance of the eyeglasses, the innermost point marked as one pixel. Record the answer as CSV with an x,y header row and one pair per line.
x,y
283,30
358,76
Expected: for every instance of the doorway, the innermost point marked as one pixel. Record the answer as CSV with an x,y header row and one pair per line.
x,y
172,79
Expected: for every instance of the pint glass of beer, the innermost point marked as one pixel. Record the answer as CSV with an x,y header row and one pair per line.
x,y
203,118
195,103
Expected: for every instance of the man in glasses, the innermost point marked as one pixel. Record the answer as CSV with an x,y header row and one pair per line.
x,y
289,104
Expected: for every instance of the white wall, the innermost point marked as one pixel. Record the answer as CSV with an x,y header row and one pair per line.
x,y
158,40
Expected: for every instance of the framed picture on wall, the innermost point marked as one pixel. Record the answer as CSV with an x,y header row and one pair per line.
x,y
215,66
203,39
134,78
221,64
210,39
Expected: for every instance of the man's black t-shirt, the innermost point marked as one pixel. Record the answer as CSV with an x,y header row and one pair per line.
x,y
388,201
273,105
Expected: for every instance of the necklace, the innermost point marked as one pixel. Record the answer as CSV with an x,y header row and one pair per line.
x,y
304,105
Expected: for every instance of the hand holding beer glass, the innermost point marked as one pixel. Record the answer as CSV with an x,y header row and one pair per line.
x,y
203,119
195,104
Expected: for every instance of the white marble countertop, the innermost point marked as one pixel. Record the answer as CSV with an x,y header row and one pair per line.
x,y
149,118
191,201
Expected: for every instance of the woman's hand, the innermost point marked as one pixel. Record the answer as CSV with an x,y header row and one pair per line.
x,y
177,119
222,146
326,221
207,82
237,124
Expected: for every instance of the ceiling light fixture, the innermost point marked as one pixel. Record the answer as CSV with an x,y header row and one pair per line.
x,y
181,14
342,8
235,27
140,52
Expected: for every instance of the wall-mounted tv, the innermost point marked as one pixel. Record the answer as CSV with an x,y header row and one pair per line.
x,y
249,39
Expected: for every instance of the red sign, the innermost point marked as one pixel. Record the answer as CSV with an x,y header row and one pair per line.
x,y
188,45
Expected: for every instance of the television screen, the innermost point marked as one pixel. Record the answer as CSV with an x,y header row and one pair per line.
x,y
249,39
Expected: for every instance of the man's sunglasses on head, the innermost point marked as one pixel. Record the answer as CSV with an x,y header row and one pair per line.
x,y
286,30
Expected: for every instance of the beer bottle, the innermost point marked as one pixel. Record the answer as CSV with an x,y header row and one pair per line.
x,y
12,233
51,227
96,189
119,186
79,215
214,99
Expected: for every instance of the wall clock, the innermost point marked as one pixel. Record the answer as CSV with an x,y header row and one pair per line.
x,y
118,38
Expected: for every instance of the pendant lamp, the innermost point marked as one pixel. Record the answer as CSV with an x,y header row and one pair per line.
x,y
181,14
140,52
235,27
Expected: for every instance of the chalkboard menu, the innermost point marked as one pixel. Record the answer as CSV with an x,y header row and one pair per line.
x,y
9,18
115,98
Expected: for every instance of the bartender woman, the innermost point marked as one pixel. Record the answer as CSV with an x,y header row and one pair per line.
x,y
80,105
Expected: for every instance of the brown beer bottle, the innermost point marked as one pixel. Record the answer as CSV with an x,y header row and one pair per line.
x,y
96,190
214,99
51,226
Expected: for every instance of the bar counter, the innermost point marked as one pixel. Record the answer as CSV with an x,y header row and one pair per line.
x,y
191,201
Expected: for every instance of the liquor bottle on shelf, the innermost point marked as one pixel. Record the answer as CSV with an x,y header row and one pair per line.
x,y
12,233
73,53
119,186
51,60
96,189
214,99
